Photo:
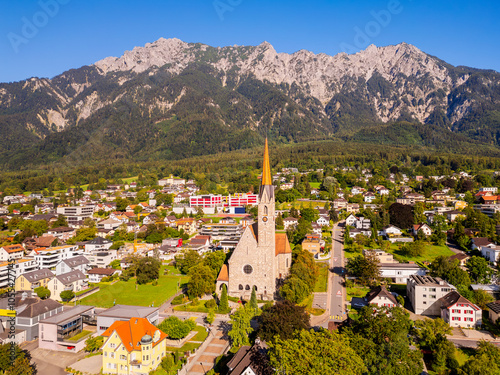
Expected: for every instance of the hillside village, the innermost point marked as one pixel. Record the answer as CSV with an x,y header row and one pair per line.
x,y
423,244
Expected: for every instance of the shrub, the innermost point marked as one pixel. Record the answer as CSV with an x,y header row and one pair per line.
x,y
124,277
178,300
67,295
154,283
93,344
175,328
210,304
42,292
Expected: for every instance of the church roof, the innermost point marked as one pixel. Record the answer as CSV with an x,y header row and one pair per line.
x,y
282,244
223,274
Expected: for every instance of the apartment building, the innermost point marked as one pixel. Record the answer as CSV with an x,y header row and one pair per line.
x,y
424,293
51,256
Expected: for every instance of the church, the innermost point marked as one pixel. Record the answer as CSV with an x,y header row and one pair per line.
x,y
262,257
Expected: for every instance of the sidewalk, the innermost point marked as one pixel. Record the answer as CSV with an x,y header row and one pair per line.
x,y
217,344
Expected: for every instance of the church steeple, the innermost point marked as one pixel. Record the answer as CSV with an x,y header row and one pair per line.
x,y
266,193
266,171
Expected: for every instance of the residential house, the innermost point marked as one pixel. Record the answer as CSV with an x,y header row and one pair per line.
x,y
290,222
458,311
97,243
381,256
97,274
369,197
74,281
494,310
390,231
363,223
316,228
106,318
351,220
312,244
452,215
251,360
339,204
109,224
187,224
10,271
423,228
323,221
425,292
77,263
55,332
357,190
352,207
460,205
399,273
33,279
49,257
491,253
29,311
380,296
478,242
9,252
200,243
102,258
462,259
133,346
62,233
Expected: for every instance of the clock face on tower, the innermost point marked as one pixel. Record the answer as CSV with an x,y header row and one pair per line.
x,y
264,219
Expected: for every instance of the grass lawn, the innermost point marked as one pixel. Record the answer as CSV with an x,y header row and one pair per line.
x,y
80,335
356,291
315,185
431,252
191,307
322,282
201,335
348,253
399,289
307,303
189,346
126,292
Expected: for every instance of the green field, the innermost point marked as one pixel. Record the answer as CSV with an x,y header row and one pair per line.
x,y
315,185
322,282
431,252
356,291
127,293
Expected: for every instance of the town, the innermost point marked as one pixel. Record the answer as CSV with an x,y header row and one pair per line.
x,y
170,278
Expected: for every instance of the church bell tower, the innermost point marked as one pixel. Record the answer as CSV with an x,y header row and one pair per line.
x,y
266,226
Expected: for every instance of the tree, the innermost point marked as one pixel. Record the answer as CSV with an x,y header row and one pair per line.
x,y
253,300
215,260
148,269
201,281
60,222
42,292
93,344
486,361
480,297
115,264
365,268
310,352
414,249
279,222
431,335
401,215
67,295
295,290
479,270
21,365
175,328
187,260
309,214
240,326
283,319
224,303
210,316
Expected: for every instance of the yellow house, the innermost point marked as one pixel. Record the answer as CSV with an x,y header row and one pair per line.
x,y
134,346
188,224
460,205
33,279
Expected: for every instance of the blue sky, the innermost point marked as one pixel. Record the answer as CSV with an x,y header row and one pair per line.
x,y
44,38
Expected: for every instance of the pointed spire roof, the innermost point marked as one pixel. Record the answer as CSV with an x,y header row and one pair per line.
x,y
266,169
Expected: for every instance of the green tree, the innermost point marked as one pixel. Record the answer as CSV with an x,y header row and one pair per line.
x,y
21,365
147,270
479,270
253,301
310,352
283,319
93,344
240,326
60,222
309,214
480,297
175,328
295,290
201,281
224,303
67,295
42,292
187,260
365,268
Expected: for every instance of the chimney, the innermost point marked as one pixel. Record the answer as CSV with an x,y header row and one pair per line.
x,y
24,295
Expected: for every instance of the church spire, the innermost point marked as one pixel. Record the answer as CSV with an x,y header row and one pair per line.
x,y
266,170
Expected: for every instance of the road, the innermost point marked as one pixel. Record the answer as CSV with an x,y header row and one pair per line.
x,y
336,288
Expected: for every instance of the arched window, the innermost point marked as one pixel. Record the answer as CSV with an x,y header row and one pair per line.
x,y
221,286
255,287
265,210
287,262
247,287
240,287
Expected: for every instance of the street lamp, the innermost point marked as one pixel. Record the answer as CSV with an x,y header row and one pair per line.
x,y
204,372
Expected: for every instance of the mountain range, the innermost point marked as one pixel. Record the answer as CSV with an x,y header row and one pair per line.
x,y
171,99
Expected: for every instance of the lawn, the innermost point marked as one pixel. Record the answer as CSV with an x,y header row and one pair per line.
x,y
315,185
201,335
189,346
356,291
79,335
322,282
431,252
307,303
128,293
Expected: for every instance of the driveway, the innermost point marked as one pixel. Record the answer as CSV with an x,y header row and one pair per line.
x,y
50,362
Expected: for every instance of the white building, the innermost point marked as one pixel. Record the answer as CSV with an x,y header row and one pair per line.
x,y
399,273
491,253
424,293
18,268
75,214
458,311
51,256
77,263
102,258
